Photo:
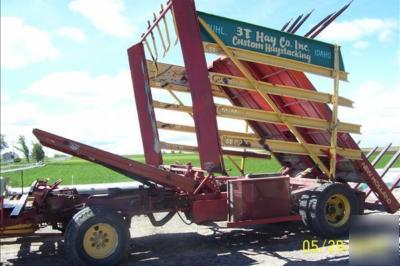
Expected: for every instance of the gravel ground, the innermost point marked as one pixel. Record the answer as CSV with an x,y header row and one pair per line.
x,y
179,244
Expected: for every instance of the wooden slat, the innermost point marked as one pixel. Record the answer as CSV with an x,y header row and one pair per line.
x,y
190,129
175,80
188,148
173,77
275,89
278,146
265,116
243,140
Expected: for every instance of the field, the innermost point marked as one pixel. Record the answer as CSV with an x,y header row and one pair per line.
x,y
77,171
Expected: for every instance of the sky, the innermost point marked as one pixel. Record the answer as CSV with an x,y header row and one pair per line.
x,y
64,66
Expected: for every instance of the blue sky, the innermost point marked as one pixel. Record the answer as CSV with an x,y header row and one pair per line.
x,y
64,66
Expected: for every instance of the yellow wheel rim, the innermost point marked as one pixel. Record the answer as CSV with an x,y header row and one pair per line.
x,y
100,241
337,210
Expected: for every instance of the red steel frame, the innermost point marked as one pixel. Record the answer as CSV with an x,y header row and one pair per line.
x,y
204,113
145,111
290,218
137,170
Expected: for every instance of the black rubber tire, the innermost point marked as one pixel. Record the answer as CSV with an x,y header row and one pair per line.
x,y
81,222
312,209
304,202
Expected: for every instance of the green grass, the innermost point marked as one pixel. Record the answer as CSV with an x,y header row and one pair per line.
x,y
22,163
14,165
83,172
384,160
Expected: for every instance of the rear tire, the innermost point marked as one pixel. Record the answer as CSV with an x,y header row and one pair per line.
x,y
327,210
304,202
96,236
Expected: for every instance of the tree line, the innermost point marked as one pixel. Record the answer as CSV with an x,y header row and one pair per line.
x,y
36,153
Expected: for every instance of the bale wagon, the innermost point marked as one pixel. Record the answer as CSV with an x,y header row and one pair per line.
x,y
260,71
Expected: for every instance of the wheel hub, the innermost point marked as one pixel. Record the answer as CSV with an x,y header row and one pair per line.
x,y
337,211
100,240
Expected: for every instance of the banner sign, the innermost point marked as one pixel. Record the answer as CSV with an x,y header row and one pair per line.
x,y
267,41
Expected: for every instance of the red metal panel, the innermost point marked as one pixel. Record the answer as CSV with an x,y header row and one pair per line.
x,y
143,98
258,198
210,209
204,113
253,100
280,219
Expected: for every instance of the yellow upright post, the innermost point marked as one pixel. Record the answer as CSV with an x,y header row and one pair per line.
x,y
334,121
243,160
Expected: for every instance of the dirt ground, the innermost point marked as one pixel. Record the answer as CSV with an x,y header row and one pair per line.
x,y
179,244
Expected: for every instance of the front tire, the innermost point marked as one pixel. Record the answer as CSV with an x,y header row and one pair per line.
x,y
96,236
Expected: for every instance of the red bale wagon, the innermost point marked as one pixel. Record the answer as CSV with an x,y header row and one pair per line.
x,y
261,73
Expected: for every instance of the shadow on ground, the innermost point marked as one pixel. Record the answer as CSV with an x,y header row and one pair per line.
x,y
270,244
239,247
33,250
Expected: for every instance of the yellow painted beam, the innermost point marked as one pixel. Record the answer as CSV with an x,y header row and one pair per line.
x,y
275,89
172,107
242,113
175,87
177,147
188,148
248,140
238,142
272,117
171,81
255,57
171,77
278,146
169,86
319,150
236,165
190,129
334,121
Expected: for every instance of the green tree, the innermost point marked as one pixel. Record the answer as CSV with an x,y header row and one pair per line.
x,y
23,147
37,152
3,143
